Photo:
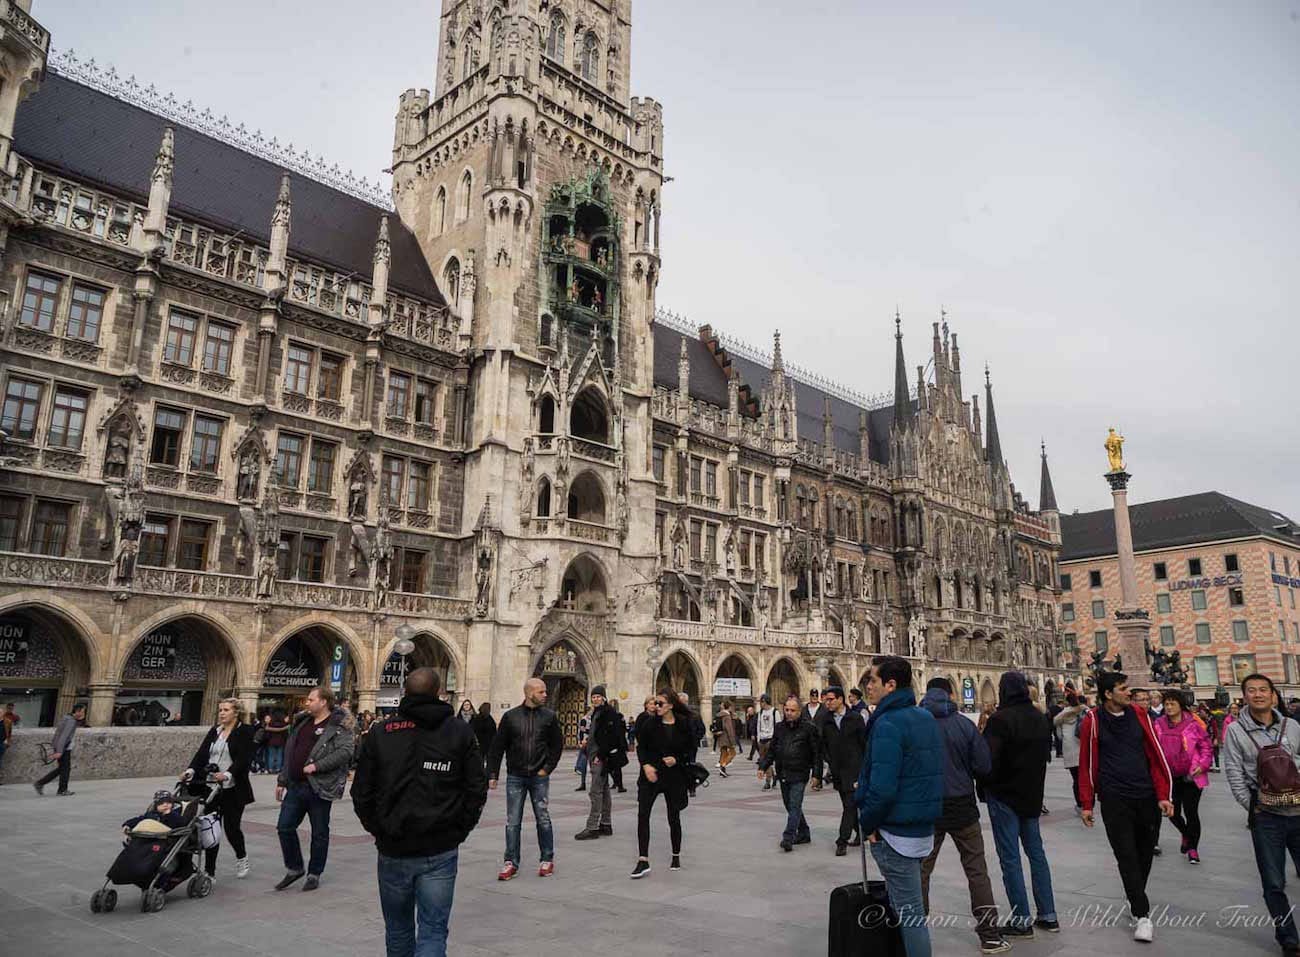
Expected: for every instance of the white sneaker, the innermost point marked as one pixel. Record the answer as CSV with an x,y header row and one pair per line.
x,y
1145,931
242,867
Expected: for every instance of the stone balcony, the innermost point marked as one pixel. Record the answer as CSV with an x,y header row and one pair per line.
x,y
740,635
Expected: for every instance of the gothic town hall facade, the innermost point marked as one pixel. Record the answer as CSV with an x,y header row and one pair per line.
x,y
262,421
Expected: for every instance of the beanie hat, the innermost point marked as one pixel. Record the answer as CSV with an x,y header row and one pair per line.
x,y
599,690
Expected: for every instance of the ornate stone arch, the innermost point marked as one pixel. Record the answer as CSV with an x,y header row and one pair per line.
x,y
90,641
357,651
222,628
421,628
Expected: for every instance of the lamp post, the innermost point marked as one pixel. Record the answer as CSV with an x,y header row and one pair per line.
x,y
403,648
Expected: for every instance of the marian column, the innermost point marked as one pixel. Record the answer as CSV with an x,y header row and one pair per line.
x,y
1131,620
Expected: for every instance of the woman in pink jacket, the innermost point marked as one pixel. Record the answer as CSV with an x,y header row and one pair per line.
x,y
1189,752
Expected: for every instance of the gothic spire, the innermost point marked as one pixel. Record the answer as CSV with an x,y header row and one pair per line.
x,y
993,445
777,364
1046,494
902,402
160,191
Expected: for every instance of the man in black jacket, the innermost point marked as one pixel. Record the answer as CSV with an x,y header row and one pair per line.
x,y
530,738
796,752
844,739
606,751
419,789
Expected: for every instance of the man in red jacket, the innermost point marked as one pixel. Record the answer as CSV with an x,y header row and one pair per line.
x,y
1120,762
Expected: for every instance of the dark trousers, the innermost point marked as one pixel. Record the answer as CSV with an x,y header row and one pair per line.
x,y
231,812
645,802
970,846
796,825
753,747
1074,782
1187,815
1132,825
300,801
616,776
848,818
63,772
1273,836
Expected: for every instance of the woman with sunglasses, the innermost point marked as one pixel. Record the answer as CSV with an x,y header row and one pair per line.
x,y
663,747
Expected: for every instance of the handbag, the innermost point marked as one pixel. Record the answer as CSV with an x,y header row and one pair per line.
x,y
46,753
209,831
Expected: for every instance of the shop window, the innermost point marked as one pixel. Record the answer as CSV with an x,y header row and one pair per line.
x,y
1242,665
193,552
85,312
205,444
68,419
11,521
156,539
182,332
50,527
1206,668
168,432
22,409
39,301
320,469
311,559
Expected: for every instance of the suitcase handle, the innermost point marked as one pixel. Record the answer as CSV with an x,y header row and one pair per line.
x,y
863,847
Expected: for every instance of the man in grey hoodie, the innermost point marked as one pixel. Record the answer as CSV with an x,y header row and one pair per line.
x,y
1274,819
966,757
62,748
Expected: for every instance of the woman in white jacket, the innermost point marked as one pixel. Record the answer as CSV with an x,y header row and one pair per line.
x,y
1065,723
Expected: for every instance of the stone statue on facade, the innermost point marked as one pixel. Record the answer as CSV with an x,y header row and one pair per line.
x,y
916,636
130,520
358,497
1114,447
678,539
246,533
117,453
381,557
266,572
483,580
249,475
729,552
887,642
562,456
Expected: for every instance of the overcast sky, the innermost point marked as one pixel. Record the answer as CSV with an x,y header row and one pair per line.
x,y
1102,196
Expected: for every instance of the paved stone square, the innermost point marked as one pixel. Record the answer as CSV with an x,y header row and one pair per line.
x,y
737,895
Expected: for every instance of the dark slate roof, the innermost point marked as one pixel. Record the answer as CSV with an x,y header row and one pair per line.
x,y
1172,522
709,383
74,130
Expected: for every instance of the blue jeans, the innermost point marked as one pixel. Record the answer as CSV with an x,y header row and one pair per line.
x,y
903,882
274,758
1009,832
538,790
301,801
796,825
417,890
1273,836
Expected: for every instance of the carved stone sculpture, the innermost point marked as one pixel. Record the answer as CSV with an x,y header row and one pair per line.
x,y
117,453
887,642
250,475
483,580
916,636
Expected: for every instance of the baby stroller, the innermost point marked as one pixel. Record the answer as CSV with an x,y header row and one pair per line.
x,y
157,858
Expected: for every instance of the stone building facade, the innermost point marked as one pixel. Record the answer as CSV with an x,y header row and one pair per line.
x,y
257,418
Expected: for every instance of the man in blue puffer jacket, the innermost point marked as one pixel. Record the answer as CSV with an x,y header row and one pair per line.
x,y
900,792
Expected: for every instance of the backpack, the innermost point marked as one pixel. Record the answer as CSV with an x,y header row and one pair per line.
x,y
1276,773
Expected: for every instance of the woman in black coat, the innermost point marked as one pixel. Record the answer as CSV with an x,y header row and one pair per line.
x,y
664,747
484,728
228,745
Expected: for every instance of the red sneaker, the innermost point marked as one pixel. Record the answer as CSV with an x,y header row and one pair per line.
x,y
547,869
508,870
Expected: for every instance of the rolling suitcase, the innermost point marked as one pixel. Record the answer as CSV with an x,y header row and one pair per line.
x,y
862,924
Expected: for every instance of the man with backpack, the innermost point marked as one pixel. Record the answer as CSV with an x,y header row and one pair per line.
x,y
1261,755
419,789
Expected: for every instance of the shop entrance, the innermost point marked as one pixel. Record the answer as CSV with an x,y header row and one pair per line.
x,y
429,652
304,661
175,674
44,665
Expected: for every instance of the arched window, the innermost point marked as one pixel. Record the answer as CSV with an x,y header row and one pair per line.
x,y
590,65
544,498
587,499
470,62
546,416
555,39
451,281
547,330
589,420
463,196
440,212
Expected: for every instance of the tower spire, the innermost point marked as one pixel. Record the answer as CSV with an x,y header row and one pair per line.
x,y
777,364
1046,494
902,402
993,444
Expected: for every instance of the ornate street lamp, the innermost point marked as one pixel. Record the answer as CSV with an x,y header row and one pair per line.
x,y
403,647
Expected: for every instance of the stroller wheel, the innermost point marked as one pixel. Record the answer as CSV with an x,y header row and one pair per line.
x,y
200,886
97,901
110,900
152,901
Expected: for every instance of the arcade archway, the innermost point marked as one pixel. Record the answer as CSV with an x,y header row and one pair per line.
x,y
582,587
175,673
734,682
680,672
782,681
302,661
430,652
45,663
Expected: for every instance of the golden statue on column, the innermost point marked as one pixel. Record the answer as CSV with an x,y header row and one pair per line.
x,y
1115,450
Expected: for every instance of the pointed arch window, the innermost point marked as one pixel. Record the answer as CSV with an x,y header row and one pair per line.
x,y
555,39
463,196
544,498
440,212
546,416
451,281
590,64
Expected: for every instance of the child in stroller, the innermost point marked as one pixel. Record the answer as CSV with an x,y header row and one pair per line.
x,y
159,852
